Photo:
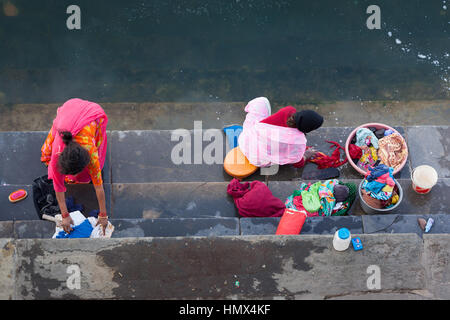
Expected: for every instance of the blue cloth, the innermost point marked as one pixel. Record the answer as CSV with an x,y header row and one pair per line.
x,y
94,213
72,206
83,230
377,171
361,136
374,186
232,133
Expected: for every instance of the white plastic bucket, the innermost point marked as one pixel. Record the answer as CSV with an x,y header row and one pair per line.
x,y
423,179
341,240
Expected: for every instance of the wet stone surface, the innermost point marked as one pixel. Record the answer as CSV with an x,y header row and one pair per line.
x,y
175,227
431,146
152,156
313,225
398,223
169,200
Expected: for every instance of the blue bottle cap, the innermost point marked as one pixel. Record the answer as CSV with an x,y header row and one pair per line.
x,y
343,233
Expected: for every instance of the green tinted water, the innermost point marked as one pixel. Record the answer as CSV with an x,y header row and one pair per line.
x,y
223,50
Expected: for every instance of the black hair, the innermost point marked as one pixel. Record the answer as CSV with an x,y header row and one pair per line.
x,y
308,120
74,157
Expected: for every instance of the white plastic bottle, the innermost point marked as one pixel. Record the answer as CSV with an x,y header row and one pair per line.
x,y
341,240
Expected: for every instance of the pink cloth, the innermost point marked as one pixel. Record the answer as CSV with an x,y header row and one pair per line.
x,y
386,178
73,116
256,201
265,144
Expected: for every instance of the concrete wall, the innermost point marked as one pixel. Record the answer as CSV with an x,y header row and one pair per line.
x,y
244,267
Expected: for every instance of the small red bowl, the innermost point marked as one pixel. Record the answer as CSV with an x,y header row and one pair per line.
x,y
378,126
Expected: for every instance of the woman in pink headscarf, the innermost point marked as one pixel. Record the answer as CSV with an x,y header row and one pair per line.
x,y
279,138
75,152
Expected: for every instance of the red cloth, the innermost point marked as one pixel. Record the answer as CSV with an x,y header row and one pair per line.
x,y
256,201
291,222
280,118
354,151
324,161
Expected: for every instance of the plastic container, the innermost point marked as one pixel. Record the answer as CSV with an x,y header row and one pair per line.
x,y
291,222
341,240
423,179
17,195
237,165
378,126
370,210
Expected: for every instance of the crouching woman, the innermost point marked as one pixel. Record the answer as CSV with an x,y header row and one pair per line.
x,y
75,152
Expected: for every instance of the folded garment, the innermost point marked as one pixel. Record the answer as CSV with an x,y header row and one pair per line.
x,y
392,150
375,172
377,188
368,159
387,178
311,199
295,201
374,186
255,199
327,198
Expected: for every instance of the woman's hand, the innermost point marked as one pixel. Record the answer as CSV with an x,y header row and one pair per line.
x,y
65,224
103,221
309,153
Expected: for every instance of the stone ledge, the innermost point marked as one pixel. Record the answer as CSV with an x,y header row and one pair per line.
x,y
225,226
282,267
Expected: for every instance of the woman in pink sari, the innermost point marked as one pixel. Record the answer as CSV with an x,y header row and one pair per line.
x,y
75,152
277,139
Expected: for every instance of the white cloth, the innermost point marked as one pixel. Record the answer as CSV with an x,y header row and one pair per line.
x,y
78,218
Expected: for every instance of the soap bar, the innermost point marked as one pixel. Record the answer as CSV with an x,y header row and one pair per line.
x,y
357,244
17,195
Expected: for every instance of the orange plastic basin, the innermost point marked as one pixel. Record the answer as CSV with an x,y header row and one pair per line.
x,y
237,165
17,195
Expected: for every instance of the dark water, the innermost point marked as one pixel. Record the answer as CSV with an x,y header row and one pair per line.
x,y
223,50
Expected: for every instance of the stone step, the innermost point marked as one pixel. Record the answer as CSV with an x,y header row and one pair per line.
x,y
231,267
200,200
217,227
141,181
146,156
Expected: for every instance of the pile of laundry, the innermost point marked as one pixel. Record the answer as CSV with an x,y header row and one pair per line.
x,y
372,144
379,189
82,227
329,198
254,199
